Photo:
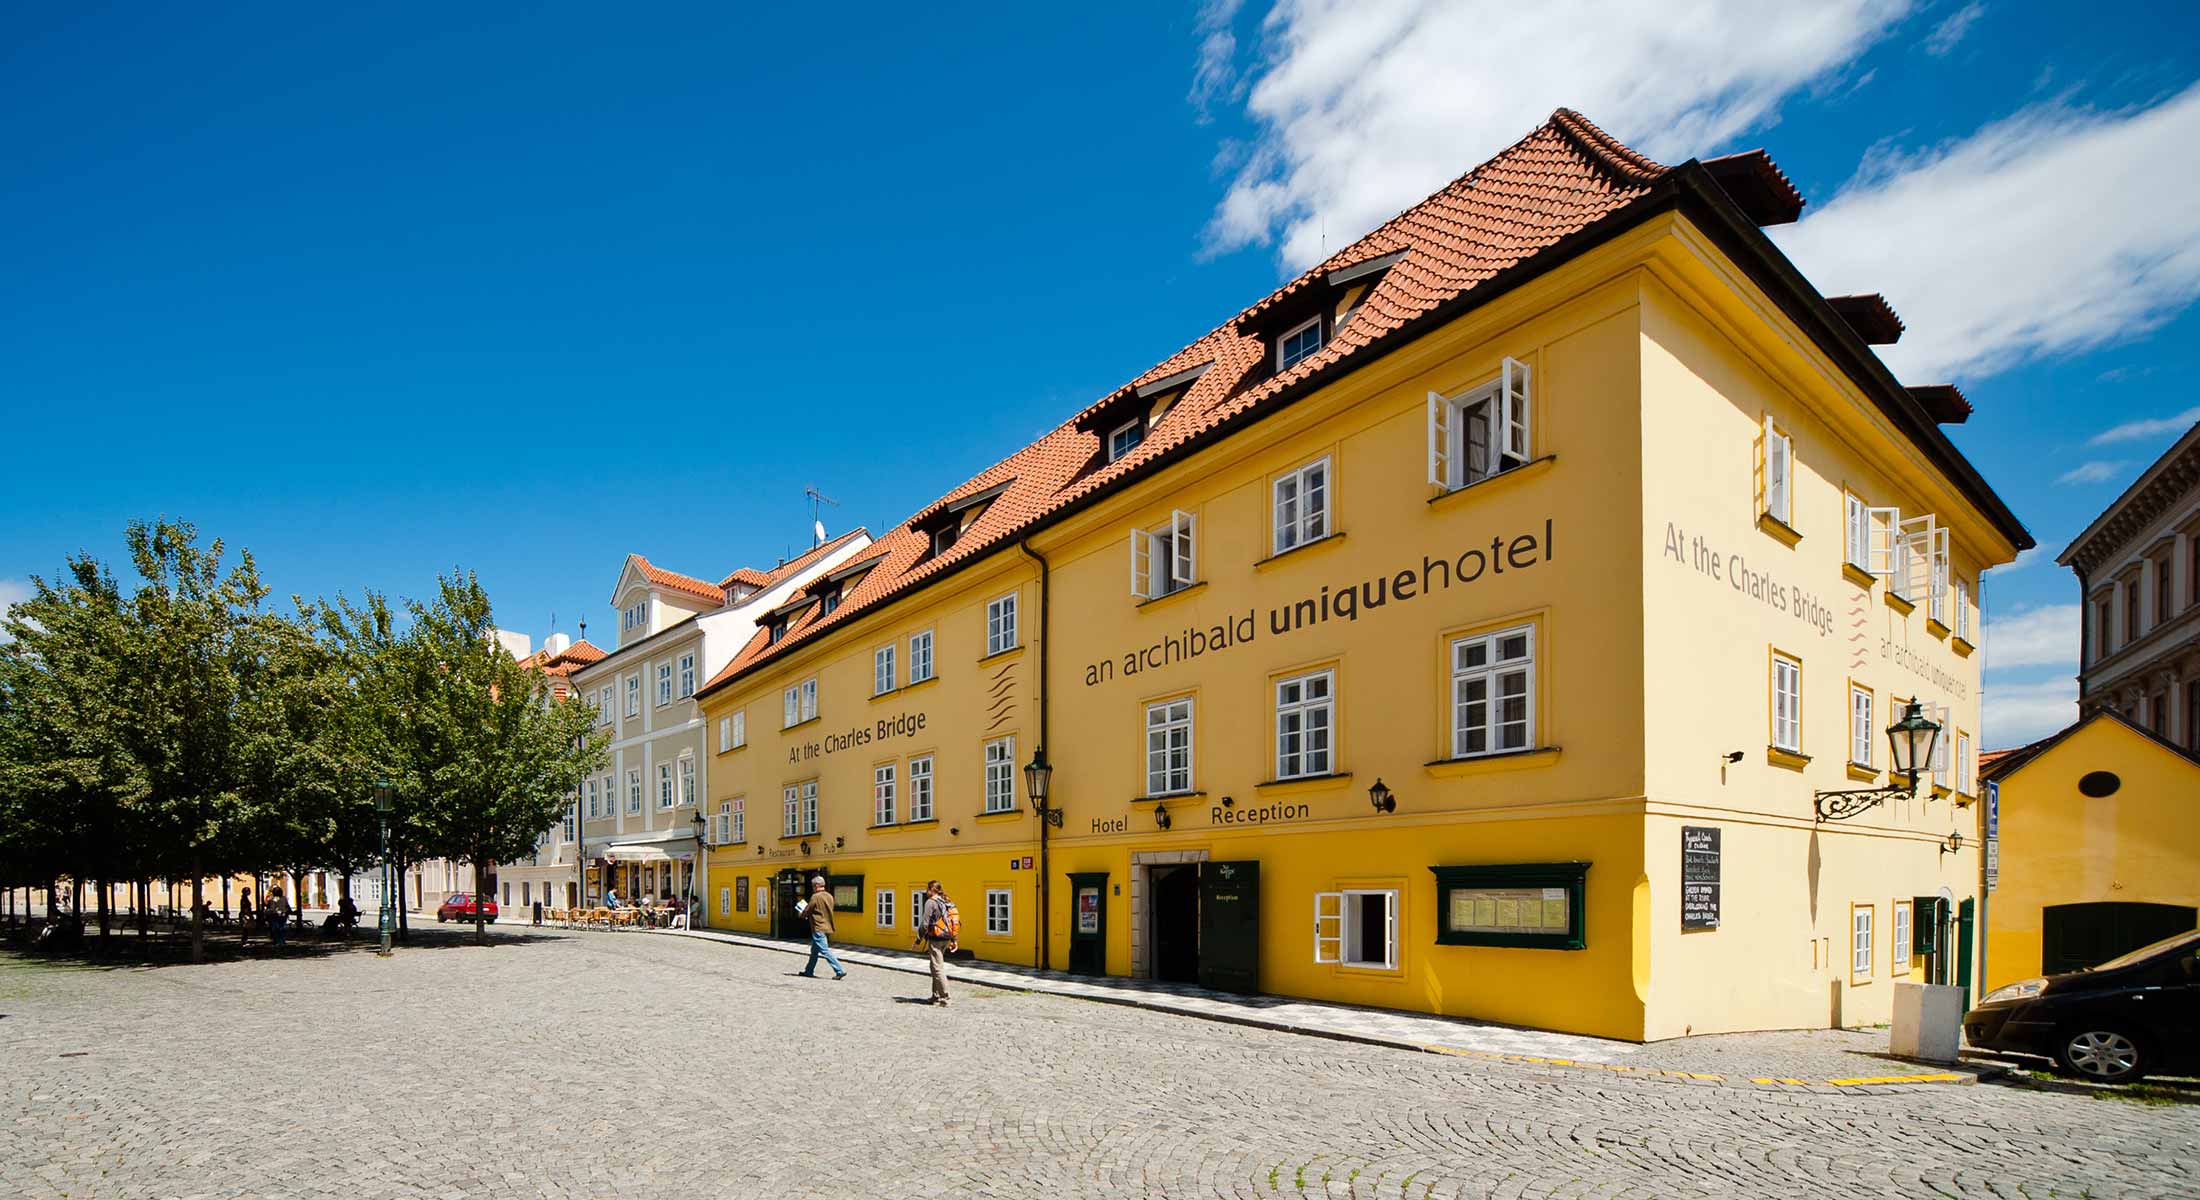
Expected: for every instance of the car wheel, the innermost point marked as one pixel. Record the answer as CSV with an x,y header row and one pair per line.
x,y
2101,1055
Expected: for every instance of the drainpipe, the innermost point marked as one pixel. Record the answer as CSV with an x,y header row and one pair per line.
x,y
1046,647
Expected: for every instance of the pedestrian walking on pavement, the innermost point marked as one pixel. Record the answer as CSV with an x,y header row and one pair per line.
x,y
277,911
938,926
244,920
820,913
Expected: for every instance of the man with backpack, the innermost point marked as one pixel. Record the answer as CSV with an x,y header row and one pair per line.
x,y
938,927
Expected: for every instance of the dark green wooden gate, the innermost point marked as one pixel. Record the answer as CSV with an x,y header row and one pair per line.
x,y
2076,936
1229,926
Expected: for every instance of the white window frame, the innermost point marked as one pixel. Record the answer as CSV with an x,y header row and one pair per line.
x,y
607,710
1169,735
1495,673
1860,941
1787,703
1174,547
916,907
665,793
799,703
594,808
1304,718
1509,427
725,902
1295,521
1941,755
664,684
809,807
725,733
1779,466
1136,427
1283,342
790,810
1000,624
1963,762
1898,947
1856,526
920,660
882,669
634,791
1000,775
734,813
882,794
920,788
634,694
882,907
1963,608
1000,902
1337,932
1863,729
687,780
687,675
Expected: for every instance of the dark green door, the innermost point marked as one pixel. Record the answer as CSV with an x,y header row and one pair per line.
x,y
1088,923
1966,917
1229,926
2077,936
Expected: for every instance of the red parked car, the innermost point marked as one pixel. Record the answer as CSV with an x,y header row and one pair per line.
x,y
460,907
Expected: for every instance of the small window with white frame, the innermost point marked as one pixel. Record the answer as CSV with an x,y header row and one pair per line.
x,y
920,788
1169,747
687,779
1493,692
1963,763
1860,957
1301,506
633,793
1299,343
916,907
1898,943
634,695
998,910
687,676
664,684
920,656
1000,624
1787,703
1357,928
1000,775
1305,724
604,705
664,785
882,794
1856,531
1124,438
882,907
1863,729
732,821
799,703
790,810
1481,432
1941,755
809,806
595,808
1962,602
1166,559
1778,460
882,670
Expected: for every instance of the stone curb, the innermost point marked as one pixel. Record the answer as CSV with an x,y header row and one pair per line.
x,y
891,961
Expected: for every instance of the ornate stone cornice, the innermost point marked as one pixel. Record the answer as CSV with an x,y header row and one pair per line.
x,y
2172,478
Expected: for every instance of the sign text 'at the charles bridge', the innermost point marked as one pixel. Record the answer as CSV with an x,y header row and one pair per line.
x,y
1347,603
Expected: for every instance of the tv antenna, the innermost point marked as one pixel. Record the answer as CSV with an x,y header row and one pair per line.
x,y
818,502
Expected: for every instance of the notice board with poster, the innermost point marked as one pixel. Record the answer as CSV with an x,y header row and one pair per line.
x,y
1699,877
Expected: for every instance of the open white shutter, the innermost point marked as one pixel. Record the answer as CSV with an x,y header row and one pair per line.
x,y
1390,929
1514,404
1141,564
1328,927
1183,545
1776,472
1882,527
1939,556
1440,417
1914,542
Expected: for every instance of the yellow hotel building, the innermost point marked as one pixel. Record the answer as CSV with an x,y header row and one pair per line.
x,y
1386,643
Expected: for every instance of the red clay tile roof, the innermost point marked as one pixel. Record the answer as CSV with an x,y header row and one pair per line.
x,y
580,654
678,582
793,566
746,575
1560,179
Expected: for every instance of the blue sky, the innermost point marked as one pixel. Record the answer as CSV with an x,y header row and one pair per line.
x,y
380,292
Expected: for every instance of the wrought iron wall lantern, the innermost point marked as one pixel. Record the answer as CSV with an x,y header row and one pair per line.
x,y
1161,816
1910,741
1953,843
1038,783
1382,797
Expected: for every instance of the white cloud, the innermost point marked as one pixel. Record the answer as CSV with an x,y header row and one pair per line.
x,y
2046,636
2132,431
1365,106
12,593
1216,75
1945,35
2017,713
2100,203
2095,471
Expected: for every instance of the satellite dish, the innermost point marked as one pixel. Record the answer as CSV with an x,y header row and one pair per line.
x,y
819,528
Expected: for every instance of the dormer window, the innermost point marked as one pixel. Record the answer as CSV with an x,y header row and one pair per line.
x,y
775,631
1298,343
637,615
830,602
1125,437
944,537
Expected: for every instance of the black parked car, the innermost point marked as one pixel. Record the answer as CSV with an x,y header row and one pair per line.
x,y
2131,1016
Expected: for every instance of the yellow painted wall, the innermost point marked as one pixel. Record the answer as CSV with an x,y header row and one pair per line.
x,y
2058,846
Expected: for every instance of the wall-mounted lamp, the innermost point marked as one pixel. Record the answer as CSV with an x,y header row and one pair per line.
x,y
954,831
1909,744
759,852
1952,844
1038,783
1381,797
1161,816
1733,756
1228,802
805,849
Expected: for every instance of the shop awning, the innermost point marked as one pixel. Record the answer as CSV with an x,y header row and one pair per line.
x,y
636,854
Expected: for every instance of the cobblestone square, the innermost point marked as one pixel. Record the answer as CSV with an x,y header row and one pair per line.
x,y
634,1065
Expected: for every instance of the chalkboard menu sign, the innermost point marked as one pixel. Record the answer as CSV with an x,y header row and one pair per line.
x,y
1699,877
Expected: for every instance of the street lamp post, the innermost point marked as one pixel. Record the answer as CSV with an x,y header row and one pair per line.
x,y
383,796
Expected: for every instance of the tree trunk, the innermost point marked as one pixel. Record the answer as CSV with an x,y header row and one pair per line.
x,y
198,916
397,881
144,897
106,913
480,929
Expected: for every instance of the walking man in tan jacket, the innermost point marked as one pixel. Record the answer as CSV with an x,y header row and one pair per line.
x,y
820,913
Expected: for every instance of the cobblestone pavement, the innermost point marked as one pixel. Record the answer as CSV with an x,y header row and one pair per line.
x,y
599,1065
